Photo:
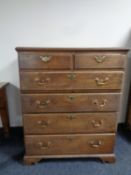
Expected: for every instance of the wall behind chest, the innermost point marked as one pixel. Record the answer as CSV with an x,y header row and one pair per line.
x,y
59,23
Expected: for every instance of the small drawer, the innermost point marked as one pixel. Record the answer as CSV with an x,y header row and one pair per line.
x,y
98,80
70,102
45,60
100,60
69,123
87,80
69,144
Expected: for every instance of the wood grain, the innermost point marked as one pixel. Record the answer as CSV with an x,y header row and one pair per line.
x,y
69,144
33,60
69,123
110,61
70,102
87,80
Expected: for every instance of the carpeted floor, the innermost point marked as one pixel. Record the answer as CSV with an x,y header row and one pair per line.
x,y
11,153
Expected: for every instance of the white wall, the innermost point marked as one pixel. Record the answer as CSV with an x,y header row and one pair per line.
x,y
57,23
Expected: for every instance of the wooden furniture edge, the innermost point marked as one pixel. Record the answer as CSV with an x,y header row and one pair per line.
x,y
105,158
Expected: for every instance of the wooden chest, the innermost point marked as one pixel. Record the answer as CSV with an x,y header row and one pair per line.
x,y
70,101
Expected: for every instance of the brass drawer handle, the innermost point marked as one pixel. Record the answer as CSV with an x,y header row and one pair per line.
x,y
97,124
100,59
43,124
40,81
95,144
42,104
44,145
71,76
101,82
71,117
102,104
45,58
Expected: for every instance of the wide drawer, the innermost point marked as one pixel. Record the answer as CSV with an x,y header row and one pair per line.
x,y
45,60
69,144
71,80
69,123
99,60
70,102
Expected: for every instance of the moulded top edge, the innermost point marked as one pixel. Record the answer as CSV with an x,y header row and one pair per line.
x,y
20,49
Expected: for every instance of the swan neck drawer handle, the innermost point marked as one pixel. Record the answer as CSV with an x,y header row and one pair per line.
x,y
100,59
71,117
42,104
101,82
44,145
45,58
95,144
96,102
41,81
43,124
97,124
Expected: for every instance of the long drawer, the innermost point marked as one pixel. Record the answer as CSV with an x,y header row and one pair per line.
x,y
100,60
45,60
69,144
71,80
70,102
69,123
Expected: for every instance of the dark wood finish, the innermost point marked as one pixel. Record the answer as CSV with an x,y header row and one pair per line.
x,y
70,101
71,80
4,109
69,123
69,144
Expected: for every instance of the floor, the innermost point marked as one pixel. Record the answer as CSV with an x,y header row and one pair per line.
x,y
11,153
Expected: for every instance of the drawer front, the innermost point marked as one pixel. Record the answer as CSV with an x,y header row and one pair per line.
x,y
69,123
99,60
70,102
69,144
71,81
45,81
43,60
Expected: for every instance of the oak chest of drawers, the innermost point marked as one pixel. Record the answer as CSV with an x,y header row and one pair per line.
x,y
70,101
